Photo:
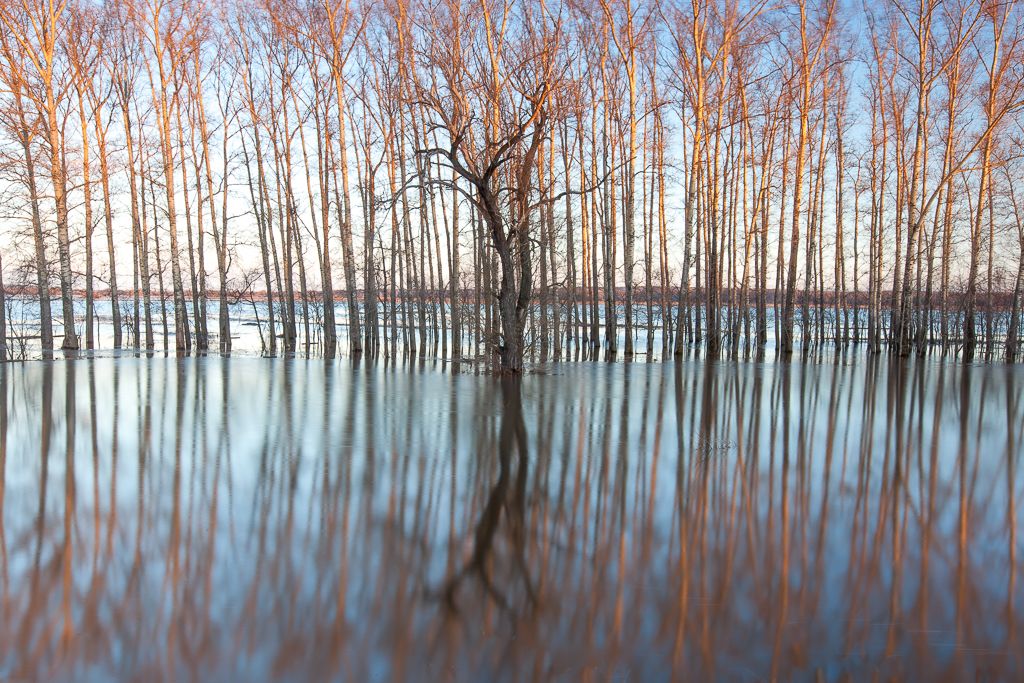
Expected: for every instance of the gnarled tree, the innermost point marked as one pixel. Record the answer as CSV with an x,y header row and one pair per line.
x,y
486,80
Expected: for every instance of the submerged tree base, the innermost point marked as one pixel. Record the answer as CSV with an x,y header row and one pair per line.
x,y
660,337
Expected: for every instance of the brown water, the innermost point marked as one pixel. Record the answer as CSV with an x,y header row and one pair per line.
x,y
248,519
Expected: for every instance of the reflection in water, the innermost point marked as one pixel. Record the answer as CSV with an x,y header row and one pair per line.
x,y
215,519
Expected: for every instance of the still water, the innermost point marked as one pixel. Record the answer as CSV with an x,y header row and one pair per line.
x,y
249,519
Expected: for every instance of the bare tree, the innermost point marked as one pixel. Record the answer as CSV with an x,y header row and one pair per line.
x,y
494,112
38,28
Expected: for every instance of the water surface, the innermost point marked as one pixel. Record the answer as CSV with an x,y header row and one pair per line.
x,y
252,519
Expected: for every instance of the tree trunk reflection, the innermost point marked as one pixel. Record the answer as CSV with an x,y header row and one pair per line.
x,y
225,519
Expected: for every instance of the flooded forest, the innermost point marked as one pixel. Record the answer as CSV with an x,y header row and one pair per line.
x,y
506,180
511,340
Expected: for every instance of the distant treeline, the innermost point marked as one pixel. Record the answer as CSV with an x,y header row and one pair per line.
x,y
997,302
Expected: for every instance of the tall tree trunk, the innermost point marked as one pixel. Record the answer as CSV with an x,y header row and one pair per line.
x,y
42,266
58,174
